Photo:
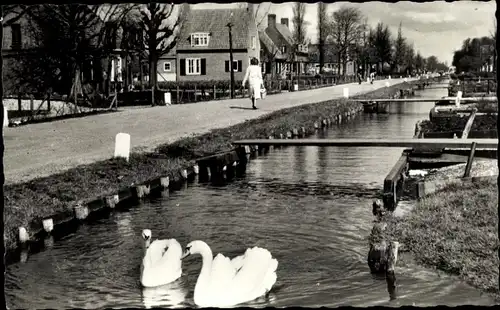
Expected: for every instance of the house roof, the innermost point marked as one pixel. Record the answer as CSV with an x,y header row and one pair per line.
x,y
330,53
270,46
214,21
285,32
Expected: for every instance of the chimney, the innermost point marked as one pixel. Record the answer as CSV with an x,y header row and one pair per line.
x,y
271,20
284,21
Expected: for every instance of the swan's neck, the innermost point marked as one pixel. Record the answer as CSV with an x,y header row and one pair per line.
x,y
146,245
206,268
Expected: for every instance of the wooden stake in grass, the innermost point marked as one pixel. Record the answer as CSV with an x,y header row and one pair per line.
x,y
346,92
470,159
122,145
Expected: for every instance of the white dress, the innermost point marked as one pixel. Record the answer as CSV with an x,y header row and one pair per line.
x,y
254,77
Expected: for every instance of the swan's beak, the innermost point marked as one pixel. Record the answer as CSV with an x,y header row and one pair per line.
x,y
185,254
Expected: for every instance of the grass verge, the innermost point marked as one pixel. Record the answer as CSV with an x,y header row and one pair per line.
x,y
455,230
43,197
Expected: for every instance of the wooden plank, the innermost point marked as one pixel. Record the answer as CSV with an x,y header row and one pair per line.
x,y
412,143
468,126
444,158
467,99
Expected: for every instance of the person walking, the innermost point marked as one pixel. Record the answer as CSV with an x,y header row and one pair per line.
x,y
360,74
372,75
253,75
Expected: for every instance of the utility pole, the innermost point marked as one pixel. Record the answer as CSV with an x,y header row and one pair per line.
x,y
229,26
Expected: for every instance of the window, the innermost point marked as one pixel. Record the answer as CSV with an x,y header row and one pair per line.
x,y
283,49
16,36
237,65
167,66
254,42
193,66
199,39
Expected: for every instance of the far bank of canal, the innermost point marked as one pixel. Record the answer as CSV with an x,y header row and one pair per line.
x,y
310,206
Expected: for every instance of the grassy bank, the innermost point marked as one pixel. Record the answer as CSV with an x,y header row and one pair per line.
x,y
455,230
46,196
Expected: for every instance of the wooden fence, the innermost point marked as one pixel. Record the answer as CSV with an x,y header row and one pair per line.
x,y
203,92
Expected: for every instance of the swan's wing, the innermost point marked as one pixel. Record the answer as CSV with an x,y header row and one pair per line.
x,y
256,274
237,262
222,273
154,252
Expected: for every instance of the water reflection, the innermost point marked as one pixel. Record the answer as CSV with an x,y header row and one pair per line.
x,y
172,295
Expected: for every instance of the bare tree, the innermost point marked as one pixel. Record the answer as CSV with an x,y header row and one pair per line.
x,y
346,30
322,33
160,23
78,32
409,58
299,22
260,12
493,35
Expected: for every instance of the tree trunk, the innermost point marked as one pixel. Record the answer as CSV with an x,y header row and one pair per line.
x,y
153,83
107,85
77,87
338,63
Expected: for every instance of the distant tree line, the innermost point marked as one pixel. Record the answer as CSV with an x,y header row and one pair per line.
x,y
474,53
347,29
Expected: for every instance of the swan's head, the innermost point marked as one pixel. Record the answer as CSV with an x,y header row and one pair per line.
x,y
195,247
146,234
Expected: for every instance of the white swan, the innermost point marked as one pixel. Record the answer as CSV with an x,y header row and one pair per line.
x,y
162,262
224,282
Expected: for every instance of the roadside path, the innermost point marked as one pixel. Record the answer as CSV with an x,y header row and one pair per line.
x,y
43,149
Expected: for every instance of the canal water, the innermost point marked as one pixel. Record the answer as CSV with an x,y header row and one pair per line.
x,y
310,206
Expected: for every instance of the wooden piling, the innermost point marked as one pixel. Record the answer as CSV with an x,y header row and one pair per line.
x,y
165,182
48,225
111,201
81,212
142,191
23,235
468,167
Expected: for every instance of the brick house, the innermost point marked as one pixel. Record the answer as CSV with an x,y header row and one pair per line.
x,y
203,44
271,56
167,67
16,45
293,57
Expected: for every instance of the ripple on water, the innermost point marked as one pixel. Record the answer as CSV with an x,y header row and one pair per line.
x,y
311,207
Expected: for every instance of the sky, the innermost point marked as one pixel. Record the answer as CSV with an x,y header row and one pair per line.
x,y
436,28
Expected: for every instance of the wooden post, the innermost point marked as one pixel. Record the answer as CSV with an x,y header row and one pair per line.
x,y
195,93
32,105
279,86
19,102
215,92
48,101
470,159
